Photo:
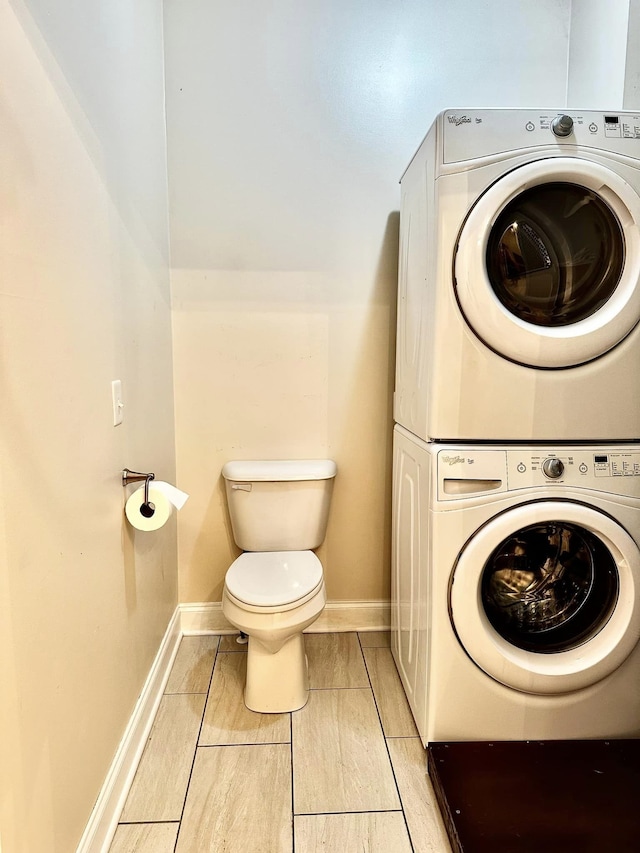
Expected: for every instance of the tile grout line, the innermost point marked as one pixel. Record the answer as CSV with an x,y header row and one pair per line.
x,y
320,689
195,752
386,746
231,745
358,811
293,817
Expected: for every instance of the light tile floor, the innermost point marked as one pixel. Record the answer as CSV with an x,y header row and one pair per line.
x,y
345,773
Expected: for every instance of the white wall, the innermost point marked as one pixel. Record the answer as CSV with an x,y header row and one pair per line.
x,y
289,125
597,54
84,299
631,99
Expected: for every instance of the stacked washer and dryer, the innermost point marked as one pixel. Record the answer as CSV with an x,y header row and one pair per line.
x,y
516,485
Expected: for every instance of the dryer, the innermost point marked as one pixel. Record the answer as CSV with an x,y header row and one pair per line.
x,y
519,278
516,589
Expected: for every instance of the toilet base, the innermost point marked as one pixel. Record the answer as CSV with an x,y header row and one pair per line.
x,y
276,682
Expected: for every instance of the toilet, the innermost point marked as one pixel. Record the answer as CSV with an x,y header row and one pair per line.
x,y
275,589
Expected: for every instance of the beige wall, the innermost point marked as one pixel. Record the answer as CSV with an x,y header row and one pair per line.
x,y
84,299
289,125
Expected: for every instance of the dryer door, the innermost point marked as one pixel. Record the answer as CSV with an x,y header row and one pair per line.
x,y
545,598
548,262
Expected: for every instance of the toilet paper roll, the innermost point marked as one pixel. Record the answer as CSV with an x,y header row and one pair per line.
x,y
162,513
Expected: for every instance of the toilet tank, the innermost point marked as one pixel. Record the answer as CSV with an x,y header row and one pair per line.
x,y
280,505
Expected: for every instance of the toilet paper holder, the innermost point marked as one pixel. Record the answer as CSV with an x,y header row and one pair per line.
x,y
147,509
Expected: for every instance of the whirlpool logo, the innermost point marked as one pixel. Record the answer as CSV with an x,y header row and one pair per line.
x,y
453,460
458,120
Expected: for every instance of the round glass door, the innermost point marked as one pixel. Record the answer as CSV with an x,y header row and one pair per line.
x,y
549,587
547,263
545,597
555,254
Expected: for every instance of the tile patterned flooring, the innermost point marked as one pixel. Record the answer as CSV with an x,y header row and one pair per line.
x,y
345,773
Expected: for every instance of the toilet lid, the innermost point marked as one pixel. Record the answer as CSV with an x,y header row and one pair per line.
x,y
272,578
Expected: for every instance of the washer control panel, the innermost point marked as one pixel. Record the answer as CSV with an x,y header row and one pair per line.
x,y
616,470
464,471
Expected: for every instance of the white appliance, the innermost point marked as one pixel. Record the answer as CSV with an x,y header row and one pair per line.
x,y
516,589
519,294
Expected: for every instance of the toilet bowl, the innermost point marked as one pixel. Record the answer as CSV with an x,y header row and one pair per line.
x,y
272,597
275,589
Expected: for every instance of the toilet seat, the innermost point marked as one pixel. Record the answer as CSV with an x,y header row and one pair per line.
x,y
271,581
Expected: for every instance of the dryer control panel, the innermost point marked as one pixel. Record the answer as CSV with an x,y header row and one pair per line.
x,y
469,134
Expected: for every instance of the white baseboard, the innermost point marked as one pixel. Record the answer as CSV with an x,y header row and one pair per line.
x,y
103,821
204,618
208,618
353,616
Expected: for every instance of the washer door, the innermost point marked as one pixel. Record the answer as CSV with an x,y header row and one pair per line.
x,y
545,597
548,261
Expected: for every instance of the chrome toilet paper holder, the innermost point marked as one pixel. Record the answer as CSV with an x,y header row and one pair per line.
x,y
147,509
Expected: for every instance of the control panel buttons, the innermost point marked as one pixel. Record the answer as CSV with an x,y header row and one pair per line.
x,y
611,468
530,126
553,468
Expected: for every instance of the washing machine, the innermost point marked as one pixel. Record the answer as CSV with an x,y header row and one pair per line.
x,y
516,589
519,268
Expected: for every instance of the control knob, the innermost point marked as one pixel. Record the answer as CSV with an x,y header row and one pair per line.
x,y
553,468
562,125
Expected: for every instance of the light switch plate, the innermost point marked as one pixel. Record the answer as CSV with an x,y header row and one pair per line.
x,y
116,398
